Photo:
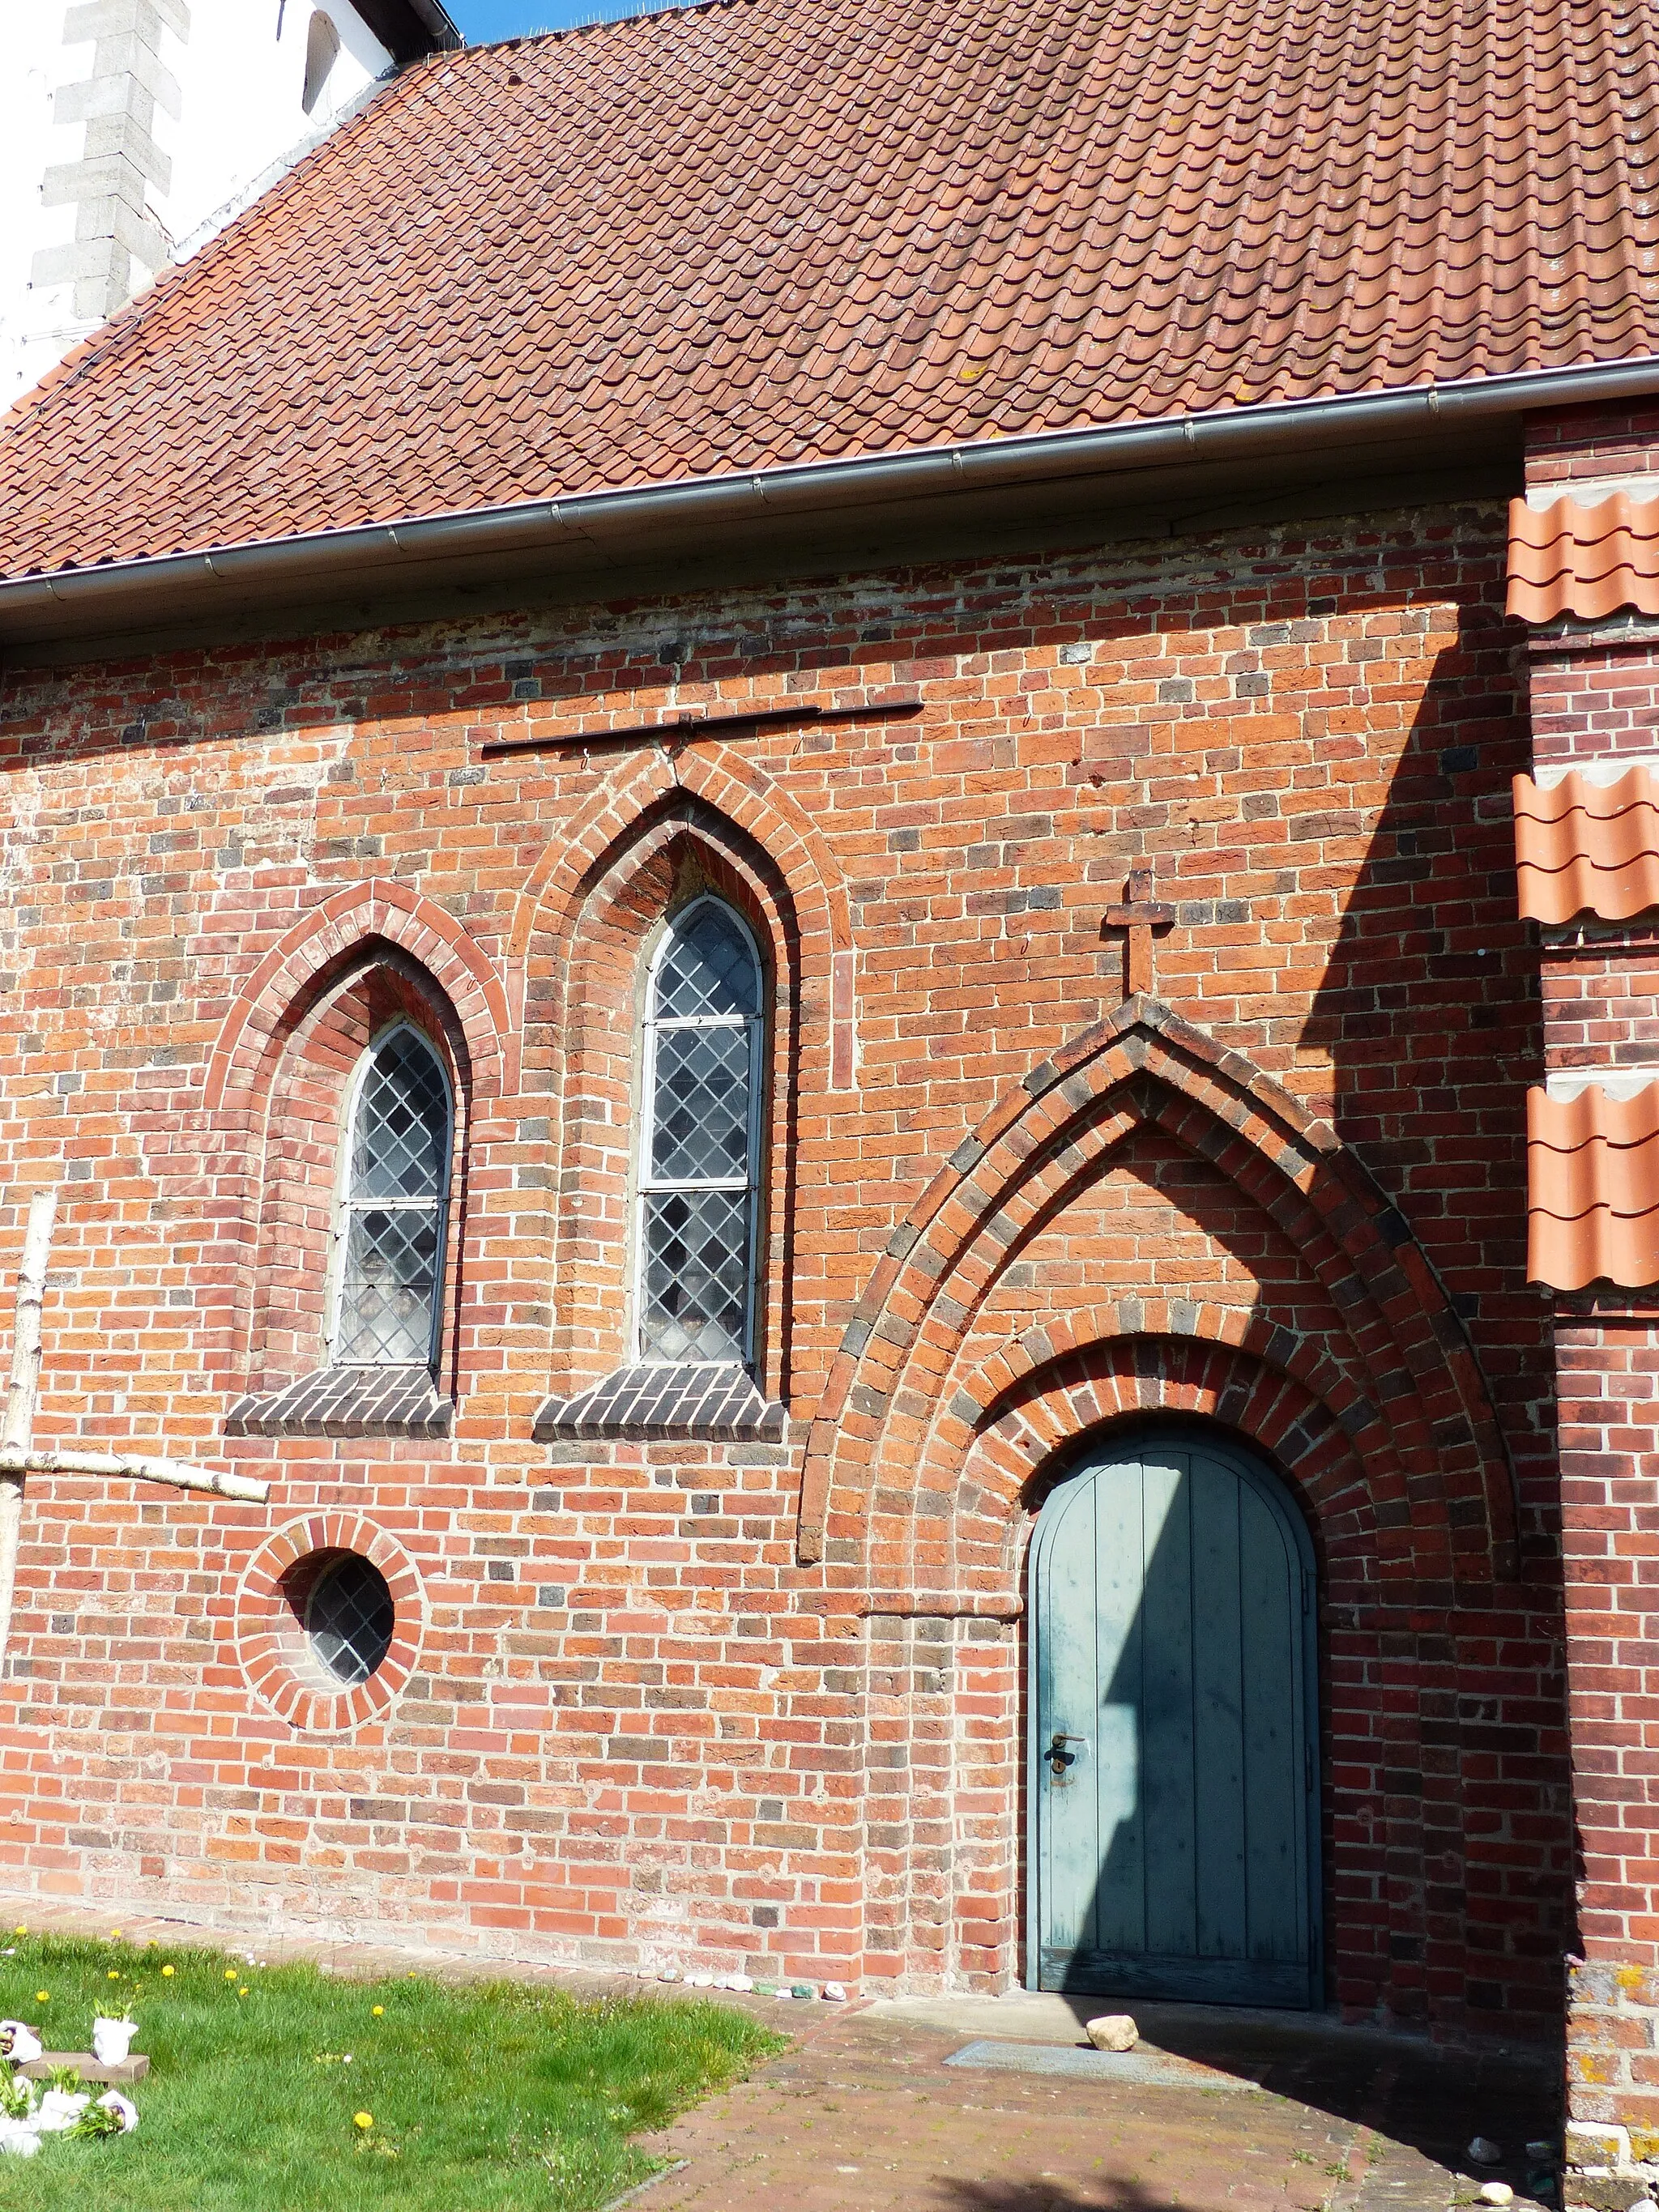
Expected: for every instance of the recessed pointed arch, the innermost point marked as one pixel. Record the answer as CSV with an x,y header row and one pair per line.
x,y
324,937
585,1025
757,808
1146,1064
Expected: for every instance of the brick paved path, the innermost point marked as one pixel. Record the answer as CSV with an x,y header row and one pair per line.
x,y
863,2114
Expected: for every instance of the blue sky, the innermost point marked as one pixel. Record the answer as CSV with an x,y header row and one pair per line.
x,y
479,20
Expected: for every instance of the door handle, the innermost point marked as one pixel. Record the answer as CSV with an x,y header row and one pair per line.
x,y
1058,1757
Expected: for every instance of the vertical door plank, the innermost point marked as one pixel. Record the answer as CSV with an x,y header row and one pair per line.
x,y
1218,1710
1275,1788
1067,1701
1167,1792
1120,1539
1175,1857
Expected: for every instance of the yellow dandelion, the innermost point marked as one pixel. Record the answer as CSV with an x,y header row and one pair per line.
x,y
42,1997
377,2010
241,1993
20,1929
113,1975
364,2119
113,1933
167,1973
230,1973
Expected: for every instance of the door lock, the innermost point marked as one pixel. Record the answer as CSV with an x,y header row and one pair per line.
x,y
1057,1755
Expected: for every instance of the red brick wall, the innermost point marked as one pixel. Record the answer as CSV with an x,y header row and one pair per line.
x,y
1582,442
1609,1409
1594,701
636,1726
1595,694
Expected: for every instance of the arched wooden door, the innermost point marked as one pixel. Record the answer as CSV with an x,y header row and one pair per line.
x,y
1174,1760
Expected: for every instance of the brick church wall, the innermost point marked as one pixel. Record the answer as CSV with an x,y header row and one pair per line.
x,y
760,1704
1596,698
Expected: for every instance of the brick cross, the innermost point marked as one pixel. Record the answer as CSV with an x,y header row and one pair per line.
x,y
1138,915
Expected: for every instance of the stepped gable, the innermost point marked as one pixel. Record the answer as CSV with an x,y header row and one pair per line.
x,y
768,232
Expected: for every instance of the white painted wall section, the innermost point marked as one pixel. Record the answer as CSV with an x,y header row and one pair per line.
x,y
132,131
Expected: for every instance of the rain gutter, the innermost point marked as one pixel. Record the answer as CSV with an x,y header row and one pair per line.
x,y
608,524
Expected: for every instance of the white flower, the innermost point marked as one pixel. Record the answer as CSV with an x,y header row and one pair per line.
x,y
20,2041
59,2110
18,2139
123,2107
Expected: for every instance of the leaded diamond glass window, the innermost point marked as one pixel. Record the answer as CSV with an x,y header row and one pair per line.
x,y
349,1618
704,1032
391,1225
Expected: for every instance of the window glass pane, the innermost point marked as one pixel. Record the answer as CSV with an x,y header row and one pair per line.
x,y
708,968
403,1120
702,1123
696,1297
388,1292
349,1618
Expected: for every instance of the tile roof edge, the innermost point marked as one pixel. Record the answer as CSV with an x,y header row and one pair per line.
x,y
218,232
805,489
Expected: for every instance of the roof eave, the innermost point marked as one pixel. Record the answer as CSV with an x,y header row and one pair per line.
x,y
408,29
173,588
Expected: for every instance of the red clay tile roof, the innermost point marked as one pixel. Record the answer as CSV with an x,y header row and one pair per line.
x,y
769,231
1587,847
1593,1189
1591,561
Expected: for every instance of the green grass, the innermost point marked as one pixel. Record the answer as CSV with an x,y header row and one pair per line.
x,y
490,2097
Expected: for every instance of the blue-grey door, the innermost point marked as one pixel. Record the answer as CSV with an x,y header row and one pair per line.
x,y
1173,1768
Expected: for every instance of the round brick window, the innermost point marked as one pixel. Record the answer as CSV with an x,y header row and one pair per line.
x,y
328,1622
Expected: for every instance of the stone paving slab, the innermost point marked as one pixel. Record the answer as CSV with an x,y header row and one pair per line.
x,y
1144,2068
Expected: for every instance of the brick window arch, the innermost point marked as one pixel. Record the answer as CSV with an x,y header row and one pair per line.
x,y
361,1168
647,1235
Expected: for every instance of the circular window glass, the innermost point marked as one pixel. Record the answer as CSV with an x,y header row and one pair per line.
x,y
349,1618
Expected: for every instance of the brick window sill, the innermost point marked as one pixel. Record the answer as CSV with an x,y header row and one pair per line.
x,y
717,1403
346,1401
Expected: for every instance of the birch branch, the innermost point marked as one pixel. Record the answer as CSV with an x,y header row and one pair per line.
x,y
17,1429
176,1474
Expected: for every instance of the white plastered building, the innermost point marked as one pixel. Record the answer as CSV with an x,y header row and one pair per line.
x,y
130,131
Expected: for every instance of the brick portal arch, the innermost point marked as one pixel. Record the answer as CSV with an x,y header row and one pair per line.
x,y
759,811
1121,1361
325,936
1146,1063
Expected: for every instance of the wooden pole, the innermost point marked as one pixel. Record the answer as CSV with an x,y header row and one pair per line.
x,y
18,1431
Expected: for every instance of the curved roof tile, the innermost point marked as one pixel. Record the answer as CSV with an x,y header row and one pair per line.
x,y
1588,561
1593,1189
556,267
1587,847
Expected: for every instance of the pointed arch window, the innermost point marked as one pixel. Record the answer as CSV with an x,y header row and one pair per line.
x,y
389,1231
699,1180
